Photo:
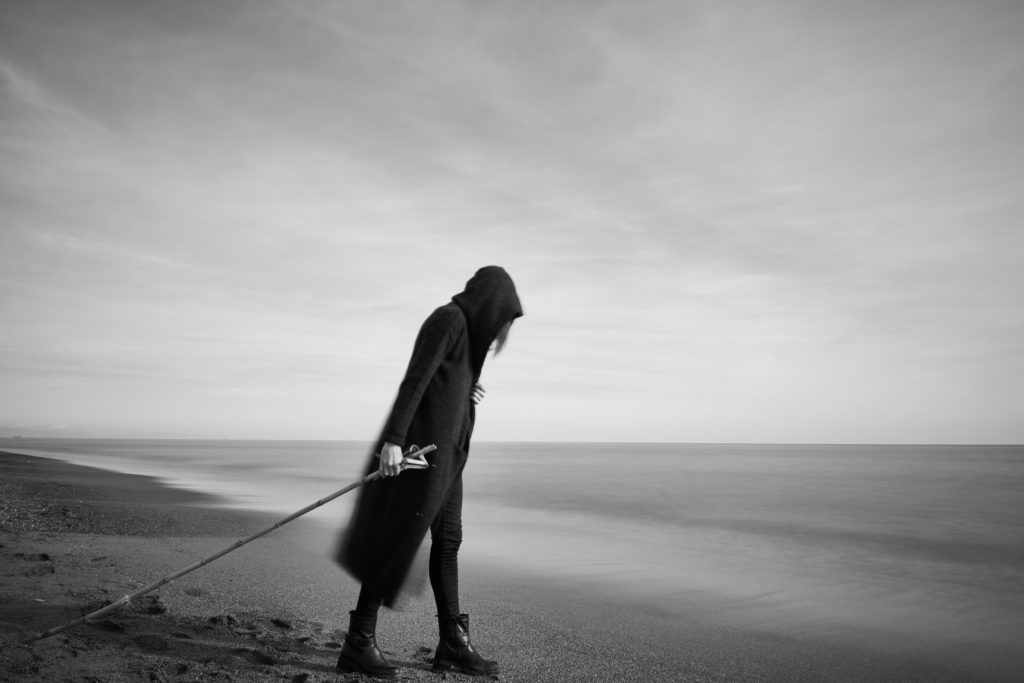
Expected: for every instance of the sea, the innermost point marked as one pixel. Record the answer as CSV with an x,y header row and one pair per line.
x,y
924,542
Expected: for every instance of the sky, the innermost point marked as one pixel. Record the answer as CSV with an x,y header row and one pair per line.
x,y
790,222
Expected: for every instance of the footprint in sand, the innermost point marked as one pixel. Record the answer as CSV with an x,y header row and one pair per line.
x,y
150,604
38,569
33,557
151,643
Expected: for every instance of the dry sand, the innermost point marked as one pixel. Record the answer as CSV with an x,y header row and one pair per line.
x,y
73,537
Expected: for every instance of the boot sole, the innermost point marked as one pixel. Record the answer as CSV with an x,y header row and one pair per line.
x,y
348,668
445,665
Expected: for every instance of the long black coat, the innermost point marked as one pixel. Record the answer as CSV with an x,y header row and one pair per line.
x,y
433,406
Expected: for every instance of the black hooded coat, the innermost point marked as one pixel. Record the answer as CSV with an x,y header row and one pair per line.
x,y
433,406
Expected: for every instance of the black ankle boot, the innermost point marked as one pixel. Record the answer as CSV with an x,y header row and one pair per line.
x,y
456,653
359,654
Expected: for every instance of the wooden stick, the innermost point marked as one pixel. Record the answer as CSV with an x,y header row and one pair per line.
x,y
409,461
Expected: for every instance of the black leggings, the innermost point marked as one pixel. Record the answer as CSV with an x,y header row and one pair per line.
x,y
445,541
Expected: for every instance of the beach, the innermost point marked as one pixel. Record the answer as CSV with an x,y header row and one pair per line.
x,y
73,537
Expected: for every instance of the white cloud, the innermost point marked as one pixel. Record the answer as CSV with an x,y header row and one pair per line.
x,y
721,221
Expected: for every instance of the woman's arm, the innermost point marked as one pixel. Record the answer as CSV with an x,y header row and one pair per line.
x,y
433,343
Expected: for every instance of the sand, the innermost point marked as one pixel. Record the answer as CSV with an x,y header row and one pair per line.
x,y
73,538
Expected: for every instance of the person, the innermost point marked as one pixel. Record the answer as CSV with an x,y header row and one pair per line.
x,y
435,405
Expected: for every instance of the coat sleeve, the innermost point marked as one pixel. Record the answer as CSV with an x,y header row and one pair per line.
x,y
433,343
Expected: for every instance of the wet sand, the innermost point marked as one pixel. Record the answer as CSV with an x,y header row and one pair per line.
x,y
73,537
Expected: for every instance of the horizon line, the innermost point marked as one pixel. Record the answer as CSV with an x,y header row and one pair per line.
x,y
17,437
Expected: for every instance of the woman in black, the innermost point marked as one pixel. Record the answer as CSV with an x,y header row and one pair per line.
x,y
435,405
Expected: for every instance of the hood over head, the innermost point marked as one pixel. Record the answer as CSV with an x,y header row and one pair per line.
x,y
488,302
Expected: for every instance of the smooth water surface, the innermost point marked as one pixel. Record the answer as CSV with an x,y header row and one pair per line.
x,y
923,541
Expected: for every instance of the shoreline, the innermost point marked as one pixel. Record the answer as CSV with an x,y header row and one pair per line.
x,y
276,609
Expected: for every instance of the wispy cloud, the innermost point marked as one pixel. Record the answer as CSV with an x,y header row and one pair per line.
x,y
721,220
